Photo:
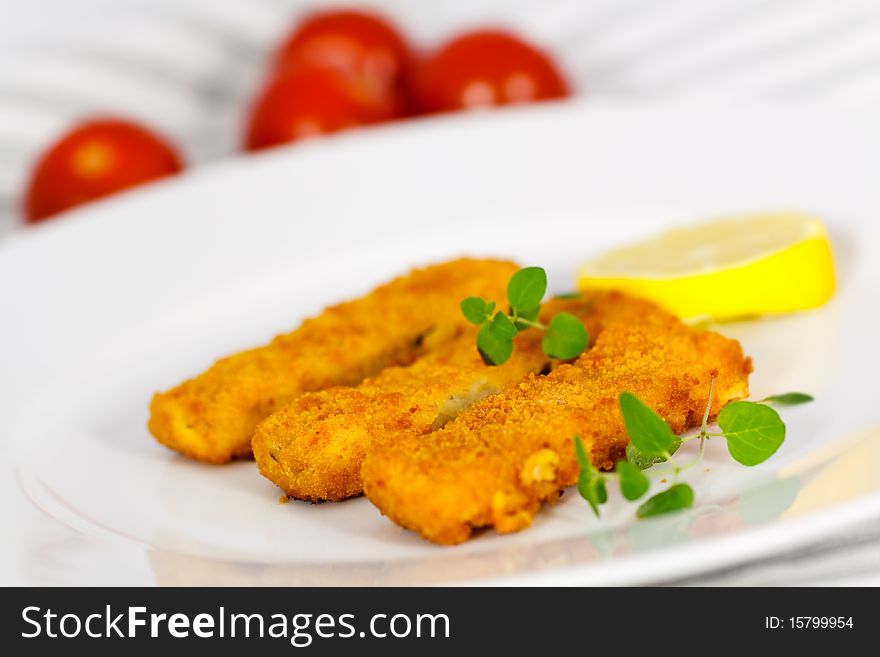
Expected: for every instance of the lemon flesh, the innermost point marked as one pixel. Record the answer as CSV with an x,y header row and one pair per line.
x,y
725,269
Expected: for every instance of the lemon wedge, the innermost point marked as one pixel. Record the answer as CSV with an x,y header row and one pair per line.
x,y
725,269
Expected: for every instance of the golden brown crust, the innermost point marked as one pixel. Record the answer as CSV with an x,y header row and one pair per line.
x,y
212,416
499,461
313,448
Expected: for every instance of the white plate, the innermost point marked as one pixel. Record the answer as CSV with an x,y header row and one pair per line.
x,y
128,296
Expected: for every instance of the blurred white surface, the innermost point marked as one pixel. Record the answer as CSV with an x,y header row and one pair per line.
x,y
127,295
188,67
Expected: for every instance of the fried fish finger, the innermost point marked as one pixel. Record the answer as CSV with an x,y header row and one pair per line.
x,y
212,416
313,448
497,463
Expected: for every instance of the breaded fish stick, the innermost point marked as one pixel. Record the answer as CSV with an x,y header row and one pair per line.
x,y
498,462
212,417
313,448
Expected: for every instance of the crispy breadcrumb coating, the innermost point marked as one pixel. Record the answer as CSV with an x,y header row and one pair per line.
x,y
212,416
313,448
498,462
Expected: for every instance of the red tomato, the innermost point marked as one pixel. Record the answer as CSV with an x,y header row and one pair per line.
x,y
95,159
305,104
362,46
486,68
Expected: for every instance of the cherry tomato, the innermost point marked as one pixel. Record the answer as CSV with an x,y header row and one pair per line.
x,y
96,159
484,68
362,46
305,104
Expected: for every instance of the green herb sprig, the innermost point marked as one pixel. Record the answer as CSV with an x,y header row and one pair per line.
x,y
753,431
565,337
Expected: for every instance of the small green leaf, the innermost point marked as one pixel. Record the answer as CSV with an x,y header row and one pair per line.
x,y
753,431
641,461
569,295
529,315
503,327
526,289
490,308
788,399
633,484
591,483
647,430
674,498
475,310
495,340
566,337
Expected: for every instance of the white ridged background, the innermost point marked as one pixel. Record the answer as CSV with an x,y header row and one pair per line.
x,y
188,67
